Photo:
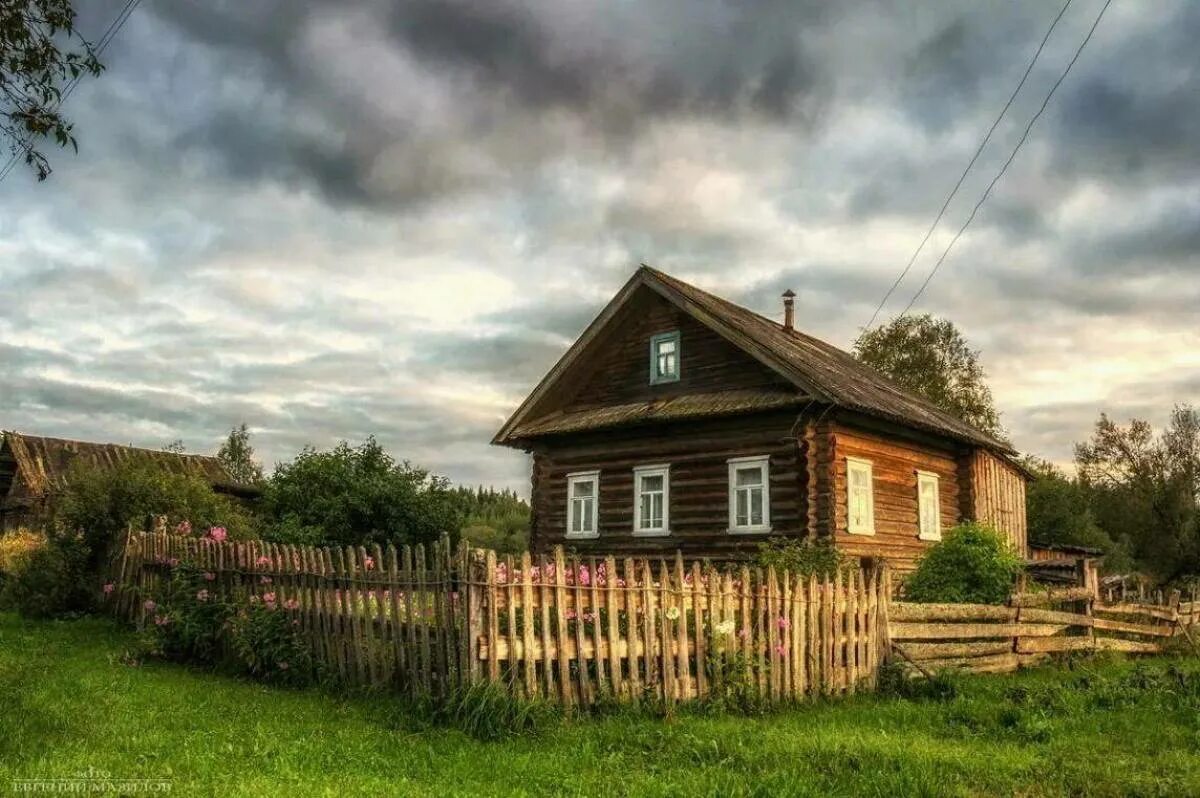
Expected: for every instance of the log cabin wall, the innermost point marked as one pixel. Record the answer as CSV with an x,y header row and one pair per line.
x,y
697,452
894,465
998,497
707,361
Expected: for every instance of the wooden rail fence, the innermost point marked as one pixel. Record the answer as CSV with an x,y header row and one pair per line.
x,y
427,620
989,638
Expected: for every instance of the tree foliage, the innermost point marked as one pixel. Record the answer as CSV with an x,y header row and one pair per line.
x,y
930,357
40,53
1059,509
356,495
494,519
237,455
1145,489
973,564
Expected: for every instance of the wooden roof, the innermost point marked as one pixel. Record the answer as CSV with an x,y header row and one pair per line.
x,y
43,462
821,371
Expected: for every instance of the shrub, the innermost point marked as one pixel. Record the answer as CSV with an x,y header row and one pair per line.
x,y
267,643
103,503
804,556
189,618
973,564
51,582
357,496
15,548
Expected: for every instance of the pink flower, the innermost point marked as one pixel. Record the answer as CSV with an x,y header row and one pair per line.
x,y
184,528
585,578
743,633
779,649
784,623
202,595
263,561
570,615
368,562
109,588
266,580
269,598
209,576
218,533
149,605
161,620
173,561
291,604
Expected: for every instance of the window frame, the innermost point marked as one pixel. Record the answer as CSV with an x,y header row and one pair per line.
x,y
655,340
852,464
573,479
639,472
924,478
735,464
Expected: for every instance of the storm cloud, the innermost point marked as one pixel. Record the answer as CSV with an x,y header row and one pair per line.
x,y
337,219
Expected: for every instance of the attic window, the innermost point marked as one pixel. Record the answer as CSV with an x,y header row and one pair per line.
x,y
664,358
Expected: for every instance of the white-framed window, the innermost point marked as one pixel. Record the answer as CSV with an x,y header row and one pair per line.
x,y
860,497
583,500
929,512
749,494
652,500
664,358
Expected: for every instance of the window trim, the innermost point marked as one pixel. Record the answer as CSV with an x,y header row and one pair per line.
x,y
574,478
655,340
924,477
657,469
869,528
763,461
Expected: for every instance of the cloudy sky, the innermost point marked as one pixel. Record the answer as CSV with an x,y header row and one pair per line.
x,y
335,219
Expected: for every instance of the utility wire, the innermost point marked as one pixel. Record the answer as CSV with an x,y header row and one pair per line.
x,y
110,32
987,192
974,158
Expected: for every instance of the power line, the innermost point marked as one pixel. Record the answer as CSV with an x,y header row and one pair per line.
x,y
987,192
974,158
110,33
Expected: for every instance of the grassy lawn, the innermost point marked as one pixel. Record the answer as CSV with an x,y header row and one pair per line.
x,y
67,703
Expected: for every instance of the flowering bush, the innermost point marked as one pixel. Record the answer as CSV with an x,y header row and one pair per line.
x,y
267,643
188,619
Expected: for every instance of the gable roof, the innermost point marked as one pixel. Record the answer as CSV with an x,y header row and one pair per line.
x,y
821,371
43,462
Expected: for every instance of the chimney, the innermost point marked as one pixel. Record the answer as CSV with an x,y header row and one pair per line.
x,y
789,310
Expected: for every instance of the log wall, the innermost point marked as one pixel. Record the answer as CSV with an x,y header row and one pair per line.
x,y
894,463
997,496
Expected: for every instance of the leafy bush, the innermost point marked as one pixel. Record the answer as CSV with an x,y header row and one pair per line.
x,y
103,503
52,581
15,549
267,643
973,564
804,556
189,618
356,496
488,711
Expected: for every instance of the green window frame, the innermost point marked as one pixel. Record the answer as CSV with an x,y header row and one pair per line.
x,y
664,358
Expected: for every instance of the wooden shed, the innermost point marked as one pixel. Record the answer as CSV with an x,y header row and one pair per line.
x,y
34,470
680,420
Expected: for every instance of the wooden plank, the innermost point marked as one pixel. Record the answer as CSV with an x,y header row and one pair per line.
x,y
581,664
421,590
984,664
702,588
1038,645
772,633
565,683
925,613
612,625
1051,597
595,606
952,649
947,631
1054,616
1131,646
510,618
683,676
491,617
547,626
633,610
399,674
1110,625
1162,613
528,669
649,639
668,604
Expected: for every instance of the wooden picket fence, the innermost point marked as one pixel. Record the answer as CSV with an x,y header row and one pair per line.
x,y
426,621
576,631
990,638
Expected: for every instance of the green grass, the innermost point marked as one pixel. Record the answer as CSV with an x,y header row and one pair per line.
x,y
68,702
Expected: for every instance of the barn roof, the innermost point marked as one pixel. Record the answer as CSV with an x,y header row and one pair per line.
x,y
43,462
821,371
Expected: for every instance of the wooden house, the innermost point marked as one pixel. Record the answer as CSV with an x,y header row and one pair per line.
x,y
680,420
34,470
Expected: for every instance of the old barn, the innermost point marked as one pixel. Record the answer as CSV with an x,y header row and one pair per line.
x,y
680,420
34,470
